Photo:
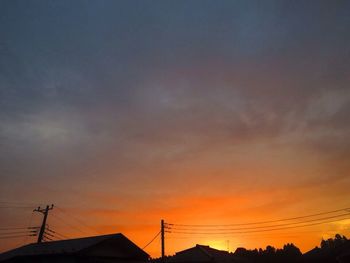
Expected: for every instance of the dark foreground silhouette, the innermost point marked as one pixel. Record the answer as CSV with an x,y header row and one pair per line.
x,y
119,249
333,250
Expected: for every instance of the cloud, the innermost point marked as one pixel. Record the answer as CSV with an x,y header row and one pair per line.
x,y
150,102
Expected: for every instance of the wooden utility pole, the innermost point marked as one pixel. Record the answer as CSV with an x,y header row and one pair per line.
x,y
162,237
45,212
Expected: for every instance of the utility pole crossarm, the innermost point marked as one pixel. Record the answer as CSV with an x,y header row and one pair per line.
x,y
45,212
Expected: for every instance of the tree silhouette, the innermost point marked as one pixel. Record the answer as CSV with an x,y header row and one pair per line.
x,y
331,250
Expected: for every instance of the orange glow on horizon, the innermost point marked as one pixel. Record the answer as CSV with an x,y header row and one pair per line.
x,y
305,238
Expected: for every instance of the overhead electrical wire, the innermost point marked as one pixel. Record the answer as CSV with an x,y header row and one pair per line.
x,y
150,242
279,233
259,227
18,203
15,236
25,232
254,231
16,232
12,228
68,224
54,234
47,238
185,229
16,207
262,222
58,235
48,234
25,239
76,219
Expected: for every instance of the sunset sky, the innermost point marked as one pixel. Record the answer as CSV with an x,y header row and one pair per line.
x,y
123,113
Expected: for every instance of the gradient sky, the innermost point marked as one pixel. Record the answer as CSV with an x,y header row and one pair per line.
x,y
126,112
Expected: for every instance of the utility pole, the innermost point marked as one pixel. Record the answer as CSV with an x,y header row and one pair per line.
x,y
162,237
45,212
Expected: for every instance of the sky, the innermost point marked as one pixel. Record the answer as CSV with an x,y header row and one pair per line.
x,y
123,113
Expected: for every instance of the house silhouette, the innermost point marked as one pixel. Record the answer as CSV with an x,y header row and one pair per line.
x,y
204,254
97,249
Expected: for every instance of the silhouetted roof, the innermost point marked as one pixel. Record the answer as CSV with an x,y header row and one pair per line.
x,y
199,253
127,249
212,252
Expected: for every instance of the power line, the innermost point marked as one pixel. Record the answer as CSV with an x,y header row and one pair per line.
x,y
262,222
68,224
58,234
24,229
54,233
45,238
48,234
77,219
16,232
13,202
14,236
12,228
60,237
29,227
18,207
150,242
259,227
261,234
254,231
18,203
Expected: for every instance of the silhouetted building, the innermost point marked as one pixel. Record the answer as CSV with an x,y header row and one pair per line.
x,y
98,249
204,254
